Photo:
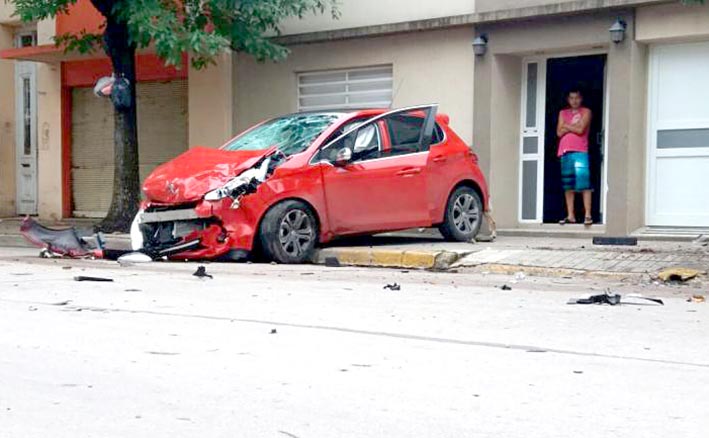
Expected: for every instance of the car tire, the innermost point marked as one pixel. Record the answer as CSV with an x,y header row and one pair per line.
x,y
289,233
464,215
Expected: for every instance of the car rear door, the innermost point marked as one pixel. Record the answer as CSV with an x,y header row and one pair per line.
x,y
383,187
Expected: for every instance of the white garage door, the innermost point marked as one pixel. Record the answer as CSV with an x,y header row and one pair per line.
x,y
678,155
162,135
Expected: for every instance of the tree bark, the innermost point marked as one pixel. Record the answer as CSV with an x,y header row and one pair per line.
x,y
126,180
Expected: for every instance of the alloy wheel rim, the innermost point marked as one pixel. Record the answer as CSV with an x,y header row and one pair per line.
x,y
466,213
296,233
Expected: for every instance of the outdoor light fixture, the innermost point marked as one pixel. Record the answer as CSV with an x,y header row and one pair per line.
x,y
480,45
618,31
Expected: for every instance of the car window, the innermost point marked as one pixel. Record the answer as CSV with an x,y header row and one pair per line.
x,y
364,143
438,135
291,134
406,132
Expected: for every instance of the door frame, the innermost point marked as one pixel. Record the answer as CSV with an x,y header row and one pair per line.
x,y
26,70
540,132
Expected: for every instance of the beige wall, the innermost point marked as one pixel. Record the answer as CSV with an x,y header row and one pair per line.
x,y
672,22
49,131
6,11
211,103
497,5
551,35
359,13
49,167
428,67
7,126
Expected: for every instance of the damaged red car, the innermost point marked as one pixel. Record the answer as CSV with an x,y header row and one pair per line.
x,y
291,183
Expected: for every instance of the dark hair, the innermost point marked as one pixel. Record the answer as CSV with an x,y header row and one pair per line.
x,y
572,90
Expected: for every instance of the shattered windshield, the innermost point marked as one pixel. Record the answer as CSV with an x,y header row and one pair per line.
x,y
291,134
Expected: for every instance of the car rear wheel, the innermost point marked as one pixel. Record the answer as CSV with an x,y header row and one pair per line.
x,y
289,233
464,215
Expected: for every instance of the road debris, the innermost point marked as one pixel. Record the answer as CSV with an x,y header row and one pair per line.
x,y
132,258
606,298
393,287
630,297
678,275
65,242
85,278
61,303
616,299
506,287
273,332
702,240
697,299
201,272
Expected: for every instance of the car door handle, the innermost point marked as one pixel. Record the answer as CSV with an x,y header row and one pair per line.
x,y
440,159
409,172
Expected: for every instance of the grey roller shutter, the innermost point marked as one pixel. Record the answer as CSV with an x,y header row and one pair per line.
x,y
369,87
162,135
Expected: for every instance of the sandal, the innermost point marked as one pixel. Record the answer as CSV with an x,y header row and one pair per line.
x,y
588,222
567,220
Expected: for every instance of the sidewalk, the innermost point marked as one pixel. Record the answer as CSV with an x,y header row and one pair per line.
x,y
550,256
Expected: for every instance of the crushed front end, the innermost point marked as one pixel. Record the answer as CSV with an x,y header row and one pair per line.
x,y
216,224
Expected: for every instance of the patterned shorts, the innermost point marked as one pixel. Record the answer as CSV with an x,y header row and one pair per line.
x,y
575,172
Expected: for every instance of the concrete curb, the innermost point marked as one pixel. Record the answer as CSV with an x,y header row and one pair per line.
x,y
388,258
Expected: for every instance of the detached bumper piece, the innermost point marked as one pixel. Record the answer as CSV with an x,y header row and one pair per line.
x,y
61,242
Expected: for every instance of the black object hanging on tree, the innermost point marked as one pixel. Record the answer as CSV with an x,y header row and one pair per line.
x,y
121,95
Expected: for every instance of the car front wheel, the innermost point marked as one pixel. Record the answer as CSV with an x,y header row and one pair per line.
x,y
288,233
464,215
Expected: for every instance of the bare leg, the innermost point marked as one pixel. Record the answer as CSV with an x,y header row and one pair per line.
x,y
587,203
570,198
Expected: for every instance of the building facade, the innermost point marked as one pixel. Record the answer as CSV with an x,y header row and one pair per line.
x,y
650,130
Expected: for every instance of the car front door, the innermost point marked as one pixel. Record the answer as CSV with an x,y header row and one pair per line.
x,y
382,186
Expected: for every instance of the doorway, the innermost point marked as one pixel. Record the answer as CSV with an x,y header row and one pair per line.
x,y
588,74
26,128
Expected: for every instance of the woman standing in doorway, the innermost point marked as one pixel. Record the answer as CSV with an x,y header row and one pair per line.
x,y
572,130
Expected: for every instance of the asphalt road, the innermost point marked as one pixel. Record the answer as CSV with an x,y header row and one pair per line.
x,y
314,352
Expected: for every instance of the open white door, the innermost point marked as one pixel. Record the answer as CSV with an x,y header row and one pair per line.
x,y
531,168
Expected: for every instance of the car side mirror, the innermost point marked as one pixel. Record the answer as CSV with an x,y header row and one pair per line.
x,y
344,156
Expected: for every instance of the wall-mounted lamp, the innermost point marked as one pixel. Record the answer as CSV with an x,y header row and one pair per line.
x,y
480,45
618,31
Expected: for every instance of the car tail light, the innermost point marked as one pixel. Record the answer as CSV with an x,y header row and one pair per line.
x,y
474,157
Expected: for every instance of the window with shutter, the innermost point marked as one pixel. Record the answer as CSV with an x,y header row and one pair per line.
x,y
369,87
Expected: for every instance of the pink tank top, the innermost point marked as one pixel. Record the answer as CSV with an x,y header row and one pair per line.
x,y
572,142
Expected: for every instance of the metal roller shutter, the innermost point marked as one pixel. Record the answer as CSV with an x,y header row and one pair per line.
x,y
162,135
369,87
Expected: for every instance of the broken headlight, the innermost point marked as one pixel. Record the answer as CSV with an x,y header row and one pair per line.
x,y
244,184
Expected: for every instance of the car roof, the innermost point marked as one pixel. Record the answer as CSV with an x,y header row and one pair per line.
x,y
354,112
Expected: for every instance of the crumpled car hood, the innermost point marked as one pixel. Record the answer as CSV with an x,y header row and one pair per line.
x,y
191,175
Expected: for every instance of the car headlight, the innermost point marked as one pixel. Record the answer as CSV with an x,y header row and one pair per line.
x,y
136,236
241,185
226,190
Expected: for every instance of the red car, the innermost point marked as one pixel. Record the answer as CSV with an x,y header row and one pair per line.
x,y
300,180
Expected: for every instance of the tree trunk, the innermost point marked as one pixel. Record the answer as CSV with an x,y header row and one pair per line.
x,y
126,180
